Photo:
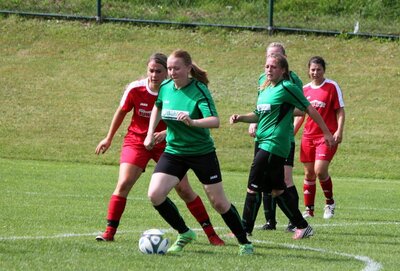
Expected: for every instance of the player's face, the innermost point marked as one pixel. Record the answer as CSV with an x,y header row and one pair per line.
x,y
316,73
156,73
178,70
273,70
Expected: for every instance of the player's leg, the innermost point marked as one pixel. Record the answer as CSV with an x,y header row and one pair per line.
x,y
229,214
324,155
307,157
169,170
198,210
207,170
128,175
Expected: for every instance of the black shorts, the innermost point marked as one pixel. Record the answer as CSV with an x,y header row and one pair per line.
x,y
206,167
267,172
289,161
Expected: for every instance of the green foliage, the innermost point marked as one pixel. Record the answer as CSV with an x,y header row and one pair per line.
x,y
374,16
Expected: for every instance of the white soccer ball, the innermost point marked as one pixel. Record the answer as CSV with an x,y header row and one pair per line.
x,y
153,242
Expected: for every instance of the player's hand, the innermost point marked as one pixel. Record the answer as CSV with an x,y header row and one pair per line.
x,y
149,142
160,136
103,146
185,119
252,129
234,119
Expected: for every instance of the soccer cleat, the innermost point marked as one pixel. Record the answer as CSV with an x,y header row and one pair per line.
x,y
329,210
215,240
308,213
107,236
290,227
303,233
246,249
182,240
269,226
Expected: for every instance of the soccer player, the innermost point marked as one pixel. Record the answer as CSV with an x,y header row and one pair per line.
x,y
268,202
186,106
326,97
139,97
277,99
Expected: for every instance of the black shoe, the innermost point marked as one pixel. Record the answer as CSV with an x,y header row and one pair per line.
x,y
290,227
269,226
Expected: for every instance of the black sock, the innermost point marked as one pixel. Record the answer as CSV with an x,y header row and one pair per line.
x,y
269,208
293,191
287,203
232,220
170,213
251,205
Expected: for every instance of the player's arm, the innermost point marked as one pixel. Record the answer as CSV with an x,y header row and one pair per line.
x,y
313,113
340,115
116,122
155,118
297,123
248,118
207,122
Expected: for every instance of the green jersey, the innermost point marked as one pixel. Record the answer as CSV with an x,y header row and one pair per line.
x,y
295,79
195,100
275,107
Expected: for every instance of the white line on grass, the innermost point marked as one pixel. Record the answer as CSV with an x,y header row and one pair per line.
x,y
370,265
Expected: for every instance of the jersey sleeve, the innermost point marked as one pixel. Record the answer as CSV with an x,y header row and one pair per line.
x,y
127,100
206,103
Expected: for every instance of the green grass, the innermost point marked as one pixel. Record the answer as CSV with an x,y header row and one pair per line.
x,y
62,81
51,212
60,85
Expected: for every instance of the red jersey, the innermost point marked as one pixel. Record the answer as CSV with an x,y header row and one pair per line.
x,y
326,99
139,97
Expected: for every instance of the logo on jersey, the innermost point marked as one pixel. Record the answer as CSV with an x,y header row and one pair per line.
x,y
264,108
317,104
144,113
144,104
170,114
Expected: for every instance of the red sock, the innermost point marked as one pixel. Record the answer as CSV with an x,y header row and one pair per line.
x,y
115,209
309,192
328,190
198,210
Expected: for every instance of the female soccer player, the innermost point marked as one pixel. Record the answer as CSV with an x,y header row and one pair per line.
x,y
277,99
326,97
268,202
139,97
186,106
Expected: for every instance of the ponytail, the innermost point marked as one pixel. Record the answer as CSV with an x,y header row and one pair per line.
x,y
196,72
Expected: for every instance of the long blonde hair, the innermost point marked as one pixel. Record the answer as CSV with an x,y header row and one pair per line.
x,y
196,71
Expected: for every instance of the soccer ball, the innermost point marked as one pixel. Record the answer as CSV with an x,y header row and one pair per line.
x,y
153,242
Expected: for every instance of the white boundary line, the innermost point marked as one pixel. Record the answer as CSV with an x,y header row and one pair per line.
x,y
370,264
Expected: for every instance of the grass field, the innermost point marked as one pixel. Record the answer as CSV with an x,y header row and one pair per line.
x,y
51,212
60,83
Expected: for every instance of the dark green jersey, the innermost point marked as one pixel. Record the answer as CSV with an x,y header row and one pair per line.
x,y
195,100
294,78
275,107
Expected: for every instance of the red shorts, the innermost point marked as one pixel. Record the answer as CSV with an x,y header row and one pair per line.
x,y
312,149
136,154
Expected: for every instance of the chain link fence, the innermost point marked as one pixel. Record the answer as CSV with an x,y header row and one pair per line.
x,y
318,17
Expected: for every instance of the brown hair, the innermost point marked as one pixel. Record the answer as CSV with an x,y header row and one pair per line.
x,y
158,58
317,60
196,71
